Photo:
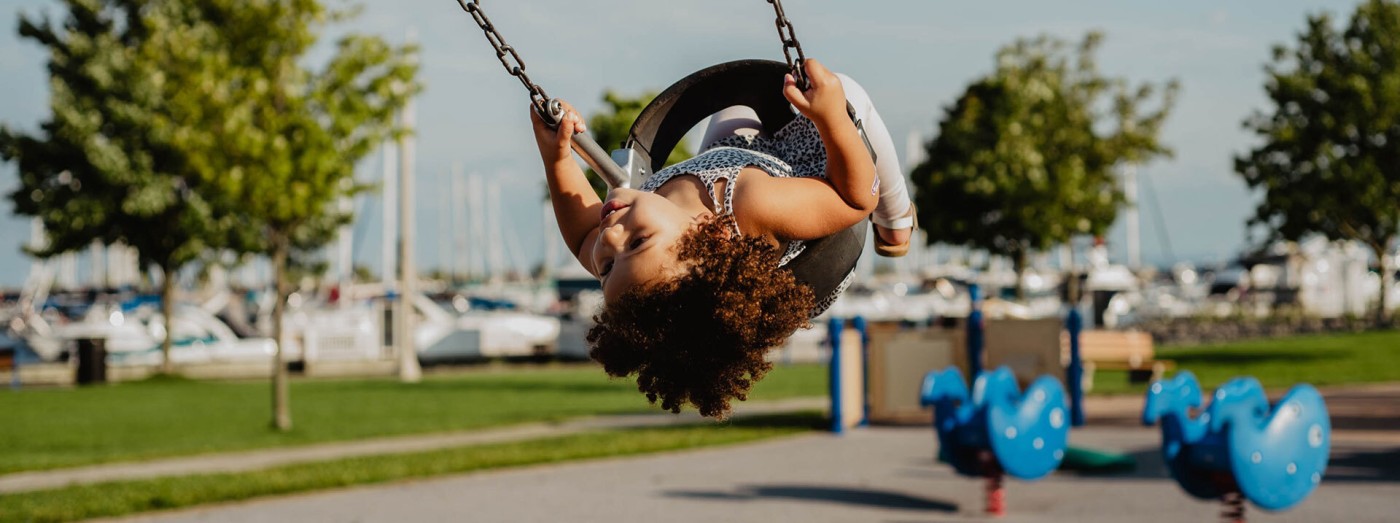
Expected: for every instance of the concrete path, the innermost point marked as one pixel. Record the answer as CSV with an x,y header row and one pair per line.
x,y
883,474
267,458
874,474
1366,414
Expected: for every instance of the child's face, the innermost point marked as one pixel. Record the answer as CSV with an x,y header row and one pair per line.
x,y
636,240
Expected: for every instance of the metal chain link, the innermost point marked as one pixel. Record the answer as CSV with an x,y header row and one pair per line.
x,y
552,110
507,55
789,38
514,65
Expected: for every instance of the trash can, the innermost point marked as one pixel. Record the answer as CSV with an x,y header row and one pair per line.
x,y
92,361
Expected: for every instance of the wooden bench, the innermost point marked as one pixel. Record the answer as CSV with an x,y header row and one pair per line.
x,y
1118,350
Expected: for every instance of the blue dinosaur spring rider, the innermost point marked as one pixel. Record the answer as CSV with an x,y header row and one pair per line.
x,y
1237,449
994,429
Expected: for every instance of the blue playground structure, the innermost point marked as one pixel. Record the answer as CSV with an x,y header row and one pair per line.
x,y
1237,448
841,417
995,429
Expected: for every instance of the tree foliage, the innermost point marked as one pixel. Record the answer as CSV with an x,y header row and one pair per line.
x,y
610,129
183,127
296,133
1026,157
300,131
125,155
1329,163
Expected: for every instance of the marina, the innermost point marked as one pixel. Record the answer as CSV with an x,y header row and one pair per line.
x,y
330,331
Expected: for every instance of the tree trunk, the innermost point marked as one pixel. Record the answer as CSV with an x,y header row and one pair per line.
x,y
1071,273
167,310
281,398
1019,259
1383,256
1072,287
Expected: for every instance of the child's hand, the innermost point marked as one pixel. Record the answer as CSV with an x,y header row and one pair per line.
x,y
824,100
555,144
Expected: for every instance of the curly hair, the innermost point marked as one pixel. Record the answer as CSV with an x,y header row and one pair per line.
x,y
700,338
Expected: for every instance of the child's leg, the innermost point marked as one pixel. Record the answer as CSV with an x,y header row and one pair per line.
x,y
894,194
732,120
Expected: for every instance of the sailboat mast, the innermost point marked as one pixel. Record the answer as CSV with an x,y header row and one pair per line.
x,y
496,243
1131,217
477,205
457,255
388,185
344,256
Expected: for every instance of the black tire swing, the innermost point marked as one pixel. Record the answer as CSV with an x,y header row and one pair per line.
x,y
827,264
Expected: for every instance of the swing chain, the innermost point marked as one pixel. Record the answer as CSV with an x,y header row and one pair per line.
x,y
789,38
509,58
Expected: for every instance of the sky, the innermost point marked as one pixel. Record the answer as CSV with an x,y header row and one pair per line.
x,y
914,57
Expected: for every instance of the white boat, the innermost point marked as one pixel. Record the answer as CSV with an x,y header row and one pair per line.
x,y
895,301
500,333
134,337
440,334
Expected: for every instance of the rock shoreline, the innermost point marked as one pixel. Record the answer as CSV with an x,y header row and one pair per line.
x,y
1198,331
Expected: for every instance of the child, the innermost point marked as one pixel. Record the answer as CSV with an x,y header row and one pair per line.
x,y
691,263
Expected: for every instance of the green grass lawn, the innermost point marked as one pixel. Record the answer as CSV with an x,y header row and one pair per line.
x,y
52,428
1321,360
168,417
125,497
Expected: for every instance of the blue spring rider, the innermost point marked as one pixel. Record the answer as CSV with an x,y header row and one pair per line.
x,y
996,428
1237,448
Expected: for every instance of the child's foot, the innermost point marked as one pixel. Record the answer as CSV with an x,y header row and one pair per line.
x,y
893,241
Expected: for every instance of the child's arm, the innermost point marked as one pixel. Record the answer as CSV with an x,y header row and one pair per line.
x,y
848,164
808,208
577,208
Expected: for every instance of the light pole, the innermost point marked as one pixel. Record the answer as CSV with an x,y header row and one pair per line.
x,y
409,371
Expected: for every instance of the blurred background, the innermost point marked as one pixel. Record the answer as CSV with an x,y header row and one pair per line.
x,y
1165,162
1145,158
351,190
915,58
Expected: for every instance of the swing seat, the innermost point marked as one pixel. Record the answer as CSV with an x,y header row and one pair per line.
x,y
826,263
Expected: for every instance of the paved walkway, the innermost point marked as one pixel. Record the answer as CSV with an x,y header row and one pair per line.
x,y
1361,415
883,474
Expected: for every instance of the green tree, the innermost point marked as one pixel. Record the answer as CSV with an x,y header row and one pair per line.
x,y
298,133
361,274
1026,157
1330,159
125,153
610,128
